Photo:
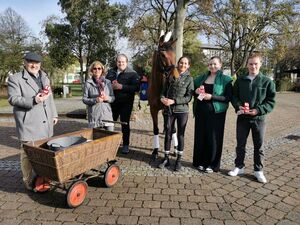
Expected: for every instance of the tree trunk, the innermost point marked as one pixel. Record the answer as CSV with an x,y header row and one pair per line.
x,y
178,29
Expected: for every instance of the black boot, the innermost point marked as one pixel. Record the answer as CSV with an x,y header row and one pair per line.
x,y
178,163
165,162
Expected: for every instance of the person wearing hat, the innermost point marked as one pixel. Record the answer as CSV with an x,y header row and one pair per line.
x,y
33,108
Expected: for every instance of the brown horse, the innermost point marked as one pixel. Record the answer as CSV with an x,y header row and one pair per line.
x,y
163,66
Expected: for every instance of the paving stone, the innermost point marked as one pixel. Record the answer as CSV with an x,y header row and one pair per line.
x,y
181,213
159,197
121,211
294,216
148,220
178,198
290,201
151,204
286,222
212,222
132,204
10,222
109,196
9,214
127,220
170,205
27,215
144,197
186,192
47,216
213,199
225,207
97,202
102,210
266,220
111,219
140,212
160,212
87,218
169,191
127,196
51,223
221,215
254,196
255,211
234,222
239,215
200,213
245,202
168,221
264,204
191,221
188,205
67,217
208,206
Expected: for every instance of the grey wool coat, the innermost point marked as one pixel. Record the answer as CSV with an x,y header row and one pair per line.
x,y
98,111
33,121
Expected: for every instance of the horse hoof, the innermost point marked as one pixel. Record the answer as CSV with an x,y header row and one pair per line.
x,y
154,156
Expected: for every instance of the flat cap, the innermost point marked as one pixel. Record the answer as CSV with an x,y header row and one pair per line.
x,y
31,56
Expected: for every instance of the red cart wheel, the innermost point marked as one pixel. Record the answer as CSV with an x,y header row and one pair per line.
x,y
112,175
76,194
41,184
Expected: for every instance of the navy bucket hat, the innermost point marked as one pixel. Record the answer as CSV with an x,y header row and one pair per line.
x,y
31,56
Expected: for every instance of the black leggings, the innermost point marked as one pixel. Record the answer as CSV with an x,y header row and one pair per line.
x,y
182,119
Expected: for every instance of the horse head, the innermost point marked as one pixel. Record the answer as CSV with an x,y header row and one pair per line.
x,y
166,56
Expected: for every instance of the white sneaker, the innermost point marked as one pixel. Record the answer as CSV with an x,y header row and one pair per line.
x,y
236,171
260,177
209,170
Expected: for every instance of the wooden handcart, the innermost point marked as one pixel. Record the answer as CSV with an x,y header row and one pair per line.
x,y
70,168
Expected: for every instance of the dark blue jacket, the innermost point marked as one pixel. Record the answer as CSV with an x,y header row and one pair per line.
x,y
130,84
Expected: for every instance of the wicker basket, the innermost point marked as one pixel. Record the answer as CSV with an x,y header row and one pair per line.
x,y
63,165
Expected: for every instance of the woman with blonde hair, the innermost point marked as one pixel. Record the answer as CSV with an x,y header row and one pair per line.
x,y
97,95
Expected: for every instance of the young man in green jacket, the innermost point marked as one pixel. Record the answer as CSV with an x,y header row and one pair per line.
x,y
253,98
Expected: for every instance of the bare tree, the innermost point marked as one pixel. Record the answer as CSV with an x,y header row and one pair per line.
x,y
15,39
241,26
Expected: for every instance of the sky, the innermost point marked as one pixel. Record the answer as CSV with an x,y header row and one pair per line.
x,y
35,11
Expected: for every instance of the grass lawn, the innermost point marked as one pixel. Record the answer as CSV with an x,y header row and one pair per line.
x,y
3,102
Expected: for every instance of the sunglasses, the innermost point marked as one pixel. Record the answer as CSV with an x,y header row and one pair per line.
x,y
97,68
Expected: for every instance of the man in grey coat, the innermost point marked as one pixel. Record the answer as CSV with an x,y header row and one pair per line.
x,y
33,107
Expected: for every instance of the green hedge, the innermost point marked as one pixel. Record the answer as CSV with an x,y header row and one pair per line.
x,y
75,89
285,84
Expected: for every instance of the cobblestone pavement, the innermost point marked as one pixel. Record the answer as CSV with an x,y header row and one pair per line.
x,y
147,195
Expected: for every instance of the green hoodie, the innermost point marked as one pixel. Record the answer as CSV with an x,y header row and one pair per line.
x,y
219,87
259,93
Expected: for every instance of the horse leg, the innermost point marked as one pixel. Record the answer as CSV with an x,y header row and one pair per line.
x,y
154,115
174,135
174,141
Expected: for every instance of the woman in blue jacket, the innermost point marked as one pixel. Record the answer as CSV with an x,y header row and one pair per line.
x,y
213,92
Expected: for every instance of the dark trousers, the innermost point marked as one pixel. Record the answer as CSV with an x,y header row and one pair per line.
x,y
243,127
123,110
182,119
208,140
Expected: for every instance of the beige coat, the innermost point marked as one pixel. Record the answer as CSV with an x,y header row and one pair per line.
x,y
33,121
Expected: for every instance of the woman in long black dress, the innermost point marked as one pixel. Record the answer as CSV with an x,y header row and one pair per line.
x,y
213,92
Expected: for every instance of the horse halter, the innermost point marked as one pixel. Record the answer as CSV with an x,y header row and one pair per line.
x,y
165,69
